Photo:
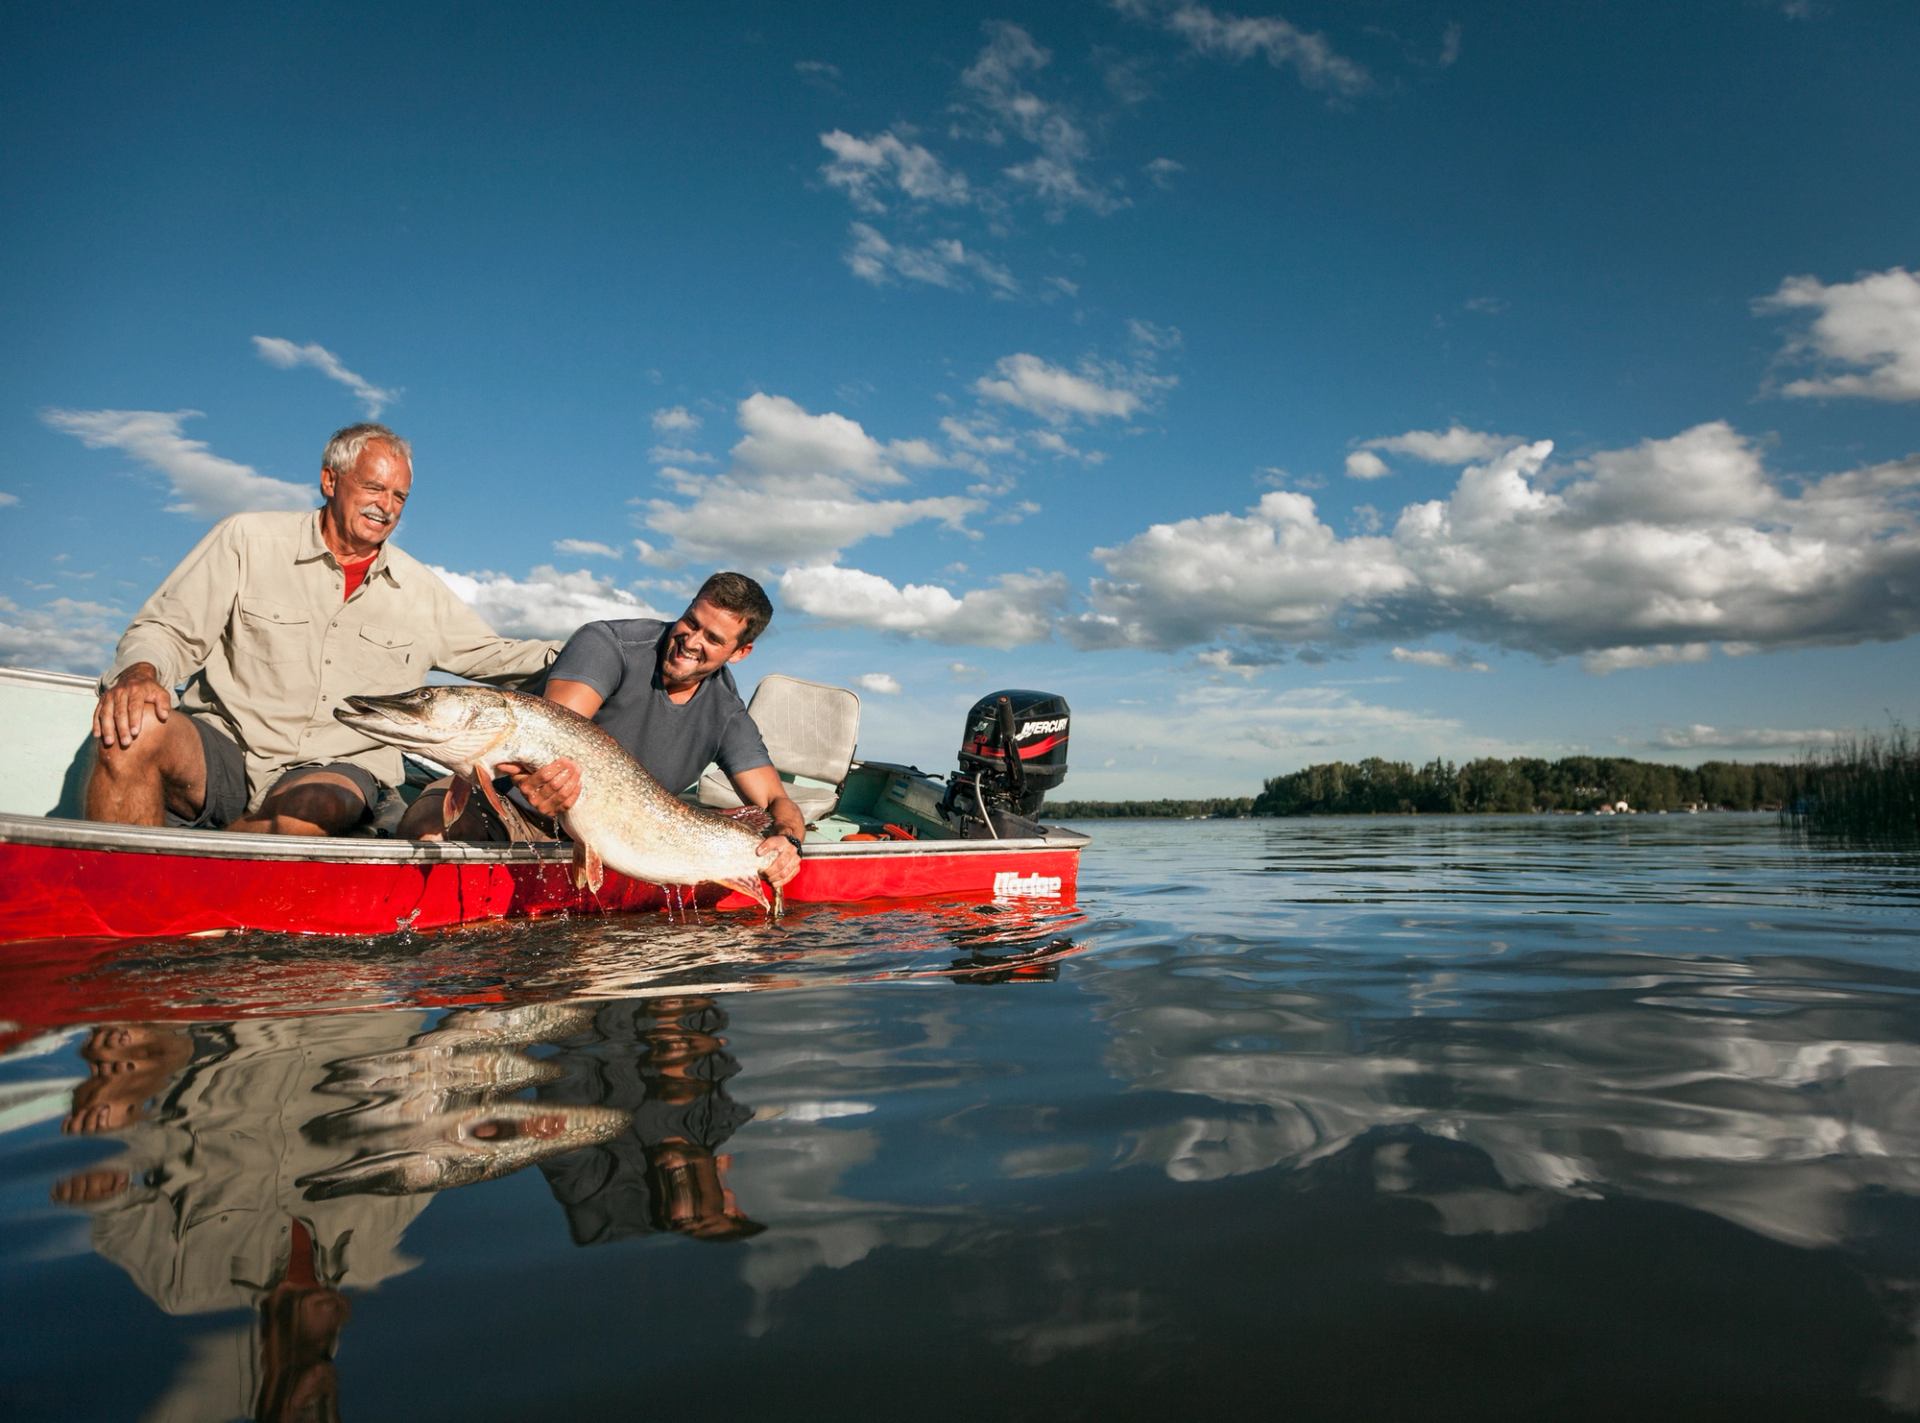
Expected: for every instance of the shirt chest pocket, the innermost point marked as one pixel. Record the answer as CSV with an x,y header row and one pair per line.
x,y
384,659
272,634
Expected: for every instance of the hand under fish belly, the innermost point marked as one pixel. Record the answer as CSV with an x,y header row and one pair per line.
x,y
623,819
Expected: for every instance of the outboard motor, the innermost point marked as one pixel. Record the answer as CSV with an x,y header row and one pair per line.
x,y
1014,751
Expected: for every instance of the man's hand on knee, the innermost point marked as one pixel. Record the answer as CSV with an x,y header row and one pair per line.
x,y
123,709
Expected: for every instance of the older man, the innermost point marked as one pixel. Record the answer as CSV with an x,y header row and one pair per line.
x,y
271,622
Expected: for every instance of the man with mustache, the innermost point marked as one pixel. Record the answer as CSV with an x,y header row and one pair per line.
x,y
272,621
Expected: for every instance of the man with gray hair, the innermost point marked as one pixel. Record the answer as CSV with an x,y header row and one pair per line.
x,y
270,623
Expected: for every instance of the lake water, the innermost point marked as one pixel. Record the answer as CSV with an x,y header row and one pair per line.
x,y
1342,1119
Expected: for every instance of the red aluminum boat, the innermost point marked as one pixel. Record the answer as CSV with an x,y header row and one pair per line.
x,y
879,832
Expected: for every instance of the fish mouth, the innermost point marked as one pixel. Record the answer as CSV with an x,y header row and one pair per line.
x,y
378,717
361,711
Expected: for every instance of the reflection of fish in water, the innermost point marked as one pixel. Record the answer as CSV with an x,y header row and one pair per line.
x,y
414,1069
459,1148
623,817
416,1085
471,1056
524,1023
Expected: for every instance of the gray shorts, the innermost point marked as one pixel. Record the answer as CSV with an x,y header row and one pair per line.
x,y
227,781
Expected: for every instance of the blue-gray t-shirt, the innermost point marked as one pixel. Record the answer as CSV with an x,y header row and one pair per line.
x,y
621,661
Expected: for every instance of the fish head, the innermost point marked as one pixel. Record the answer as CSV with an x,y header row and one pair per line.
x,y
453,725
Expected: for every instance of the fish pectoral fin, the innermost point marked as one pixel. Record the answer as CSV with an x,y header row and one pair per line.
x,y
518,830
455,803
588,873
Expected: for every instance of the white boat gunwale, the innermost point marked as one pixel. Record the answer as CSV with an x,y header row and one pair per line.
x,y
231,845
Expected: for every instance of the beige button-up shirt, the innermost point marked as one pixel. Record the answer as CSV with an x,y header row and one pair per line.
x,y
253,622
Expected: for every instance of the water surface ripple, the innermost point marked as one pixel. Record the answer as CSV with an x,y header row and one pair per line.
x,y
1359,1119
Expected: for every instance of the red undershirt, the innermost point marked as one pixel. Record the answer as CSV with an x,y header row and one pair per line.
x,y
356,573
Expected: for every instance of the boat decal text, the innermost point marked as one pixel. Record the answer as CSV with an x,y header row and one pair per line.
x,y
1012,883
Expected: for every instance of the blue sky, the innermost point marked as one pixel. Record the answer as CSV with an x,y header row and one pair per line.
x,y
1279,385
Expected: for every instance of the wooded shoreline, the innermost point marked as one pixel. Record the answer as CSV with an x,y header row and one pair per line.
x,y
1873,782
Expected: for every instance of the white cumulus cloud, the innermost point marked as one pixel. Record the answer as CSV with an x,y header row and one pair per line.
x,y
1433,657
547,603
588,548
783,438
1616,659
1454,445
1657,553
1054,393
999,82
1020,609
947,263
278,351
868,170
797,492
1865,334
879,683
675,420
204,485
1235,38
1365,464
1275,572
1700,737
62,635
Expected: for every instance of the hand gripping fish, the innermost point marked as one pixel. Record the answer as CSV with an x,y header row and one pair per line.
x,y
624,818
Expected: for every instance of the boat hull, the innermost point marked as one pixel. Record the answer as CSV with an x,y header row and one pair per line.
x,y
68,879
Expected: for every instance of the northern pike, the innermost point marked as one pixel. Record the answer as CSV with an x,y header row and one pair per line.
x,y
624,818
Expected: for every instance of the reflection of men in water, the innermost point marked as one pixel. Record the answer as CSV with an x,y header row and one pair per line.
x,y
204,1214
664,1061
128,1065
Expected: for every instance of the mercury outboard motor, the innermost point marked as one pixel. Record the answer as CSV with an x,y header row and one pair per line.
x,y
1014,751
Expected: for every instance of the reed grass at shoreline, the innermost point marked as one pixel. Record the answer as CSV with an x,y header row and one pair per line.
x,y
1869,786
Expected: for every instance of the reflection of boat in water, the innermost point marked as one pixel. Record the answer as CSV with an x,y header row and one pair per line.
x,y
881,831
51,985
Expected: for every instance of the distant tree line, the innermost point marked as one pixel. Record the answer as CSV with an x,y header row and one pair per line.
x,y
1164,809
1488,786
1491,786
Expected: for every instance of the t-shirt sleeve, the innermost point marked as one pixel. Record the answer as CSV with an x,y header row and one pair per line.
x,y
592,657
741,748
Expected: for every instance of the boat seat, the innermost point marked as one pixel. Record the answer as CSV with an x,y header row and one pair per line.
x,y
810,730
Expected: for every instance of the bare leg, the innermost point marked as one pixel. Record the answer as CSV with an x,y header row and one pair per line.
x,y
307,803
163,768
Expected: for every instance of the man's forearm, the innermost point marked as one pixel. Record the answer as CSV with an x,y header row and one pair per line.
x,y
787,819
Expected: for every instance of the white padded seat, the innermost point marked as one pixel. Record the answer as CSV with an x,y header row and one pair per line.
x,y
811,730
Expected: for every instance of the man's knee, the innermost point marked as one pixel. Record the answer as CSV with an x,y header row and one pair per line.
x,y
426,817
316,805
156,750
167,749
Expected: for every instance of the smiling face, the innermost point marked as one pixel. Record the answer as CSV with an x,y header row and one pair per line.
x,y
704,640
364,502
